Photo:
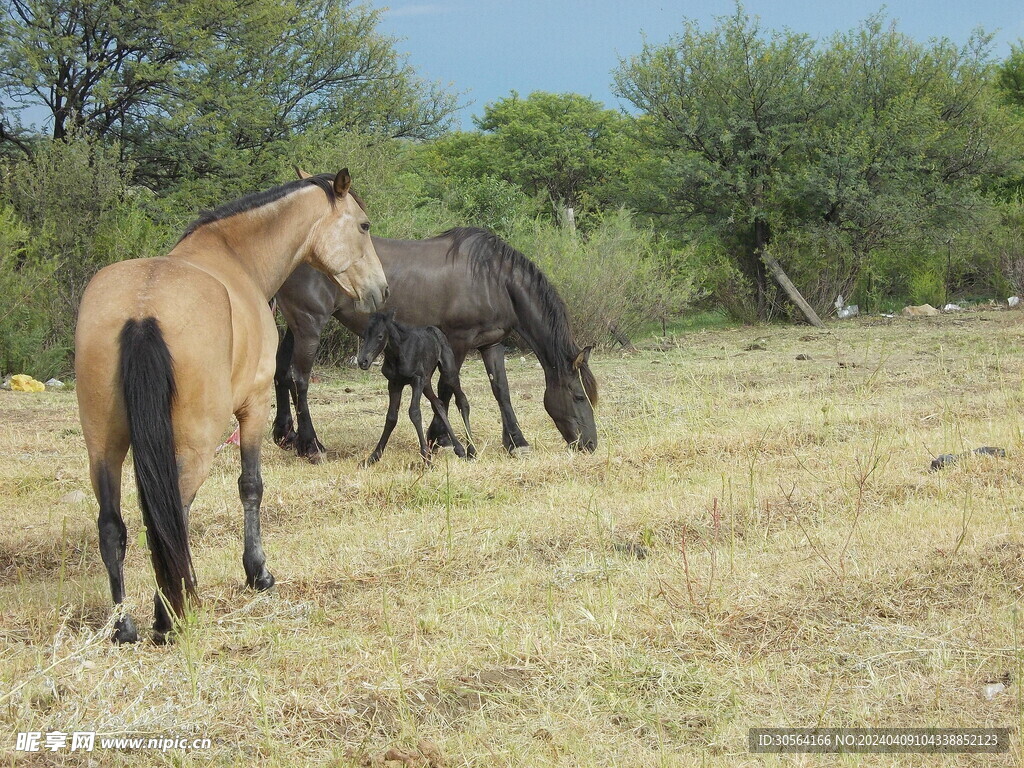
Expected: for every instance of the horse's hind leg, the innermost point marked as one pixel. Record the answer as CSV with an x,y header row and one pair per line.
x,y
307,444
435,403
106,482
416,417
463,404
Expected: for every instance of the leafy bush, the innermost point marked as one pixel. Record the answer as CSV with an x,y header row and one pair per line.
x,y
611,280
28,343
68,212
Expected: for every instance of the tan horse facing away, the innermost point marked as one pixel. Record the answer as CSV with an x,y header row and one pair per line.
x,y
167,349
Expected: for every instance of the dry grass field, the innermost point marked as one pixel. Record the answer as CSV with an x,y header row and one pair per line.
x,y
758,541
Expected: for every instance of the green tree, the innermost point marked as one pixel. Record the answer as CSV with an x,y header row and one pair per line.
x,y
563,145
728,111
1010,76
827,153
198,87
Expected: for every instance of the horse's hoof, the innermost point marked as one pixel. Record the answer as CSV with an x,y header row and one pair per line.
x,y
285,435
263,582
162,637
470,452
313,450
520,451
125,631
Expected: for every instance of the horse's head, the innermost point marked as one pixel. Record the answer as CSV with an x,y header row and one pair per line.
x,y
569,398
342,248
375,338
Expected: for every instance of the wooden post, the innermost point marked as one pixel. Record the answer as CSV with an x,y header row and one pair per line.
x,y
569,218
790,289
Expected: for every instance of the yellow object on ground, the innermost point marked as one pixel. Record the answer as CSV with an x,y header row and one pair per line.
x,y
25,383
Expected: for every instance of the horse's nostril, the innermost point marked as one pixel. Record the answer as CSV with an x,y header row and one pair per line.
x,y
386,293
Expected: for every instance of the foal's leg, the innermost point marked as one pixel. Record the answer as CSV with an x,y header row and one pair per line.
x,y
435,403
250,488
106,483
463,404
436,434
416,416
511,435
394,401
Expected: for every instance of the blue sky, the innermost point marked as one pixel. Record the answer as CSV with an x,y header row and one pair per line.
x,y
487,48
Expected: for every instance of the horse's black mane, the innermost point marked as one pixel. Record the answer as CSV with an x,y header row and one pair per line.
x,y
486,251
258,199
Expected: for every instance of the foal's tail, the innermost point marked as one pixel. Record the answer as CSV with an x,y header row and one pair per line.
x,y
446,357
147,380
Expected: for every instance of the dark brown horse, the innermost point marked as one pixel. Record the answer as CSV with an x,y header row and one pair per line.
x,y
479,291
167,349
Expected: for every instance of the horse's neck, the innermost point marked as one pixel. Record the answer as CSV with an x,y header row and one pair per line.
x,y
543,330
265,244
396,335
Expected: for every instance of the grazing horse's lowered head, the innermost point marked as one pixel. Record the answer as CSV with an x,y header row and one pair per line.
x,y
570,394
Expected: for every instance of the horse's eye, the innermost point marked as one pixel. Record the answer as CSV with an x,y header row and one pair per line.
x,y
579,398
365,226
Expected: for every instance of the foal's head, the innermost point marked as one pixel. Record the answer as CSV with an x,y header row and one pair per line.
x,y
375,337
342,248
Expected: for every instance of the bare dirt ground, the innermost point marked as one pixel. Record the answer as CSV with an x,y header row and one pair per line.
x,y
758,541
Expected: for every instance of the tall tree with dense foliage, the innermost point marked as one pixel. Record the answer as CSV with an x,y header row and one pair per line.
x,y
182,85
728,111
560,144
832,152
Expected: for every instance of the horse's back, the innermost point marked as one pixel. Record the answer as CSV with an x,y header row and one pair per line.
x,y
433,285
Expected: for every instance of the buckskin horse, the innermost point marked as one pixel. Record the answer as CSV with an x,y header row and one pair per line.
x,y
167,349
478,290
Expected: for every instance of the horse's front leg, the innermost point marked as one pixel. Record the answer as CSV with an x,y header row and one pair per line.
x,y
251,423
394,401
511,435
284,427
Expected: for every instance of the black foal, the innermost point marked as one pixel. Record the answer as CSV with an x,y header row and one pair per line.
x,y
411,355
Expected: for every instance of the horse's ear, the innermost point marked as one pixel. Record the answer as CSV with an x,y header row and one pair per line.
x,y
301,173
390,314
582,358
342,182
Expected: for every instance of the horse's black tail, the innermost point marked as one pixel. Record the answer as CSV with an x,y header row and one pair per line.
x,y
147,380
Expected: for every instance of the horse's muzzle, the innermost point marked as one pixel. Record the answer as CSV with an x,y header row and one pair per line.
x,y
373,299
